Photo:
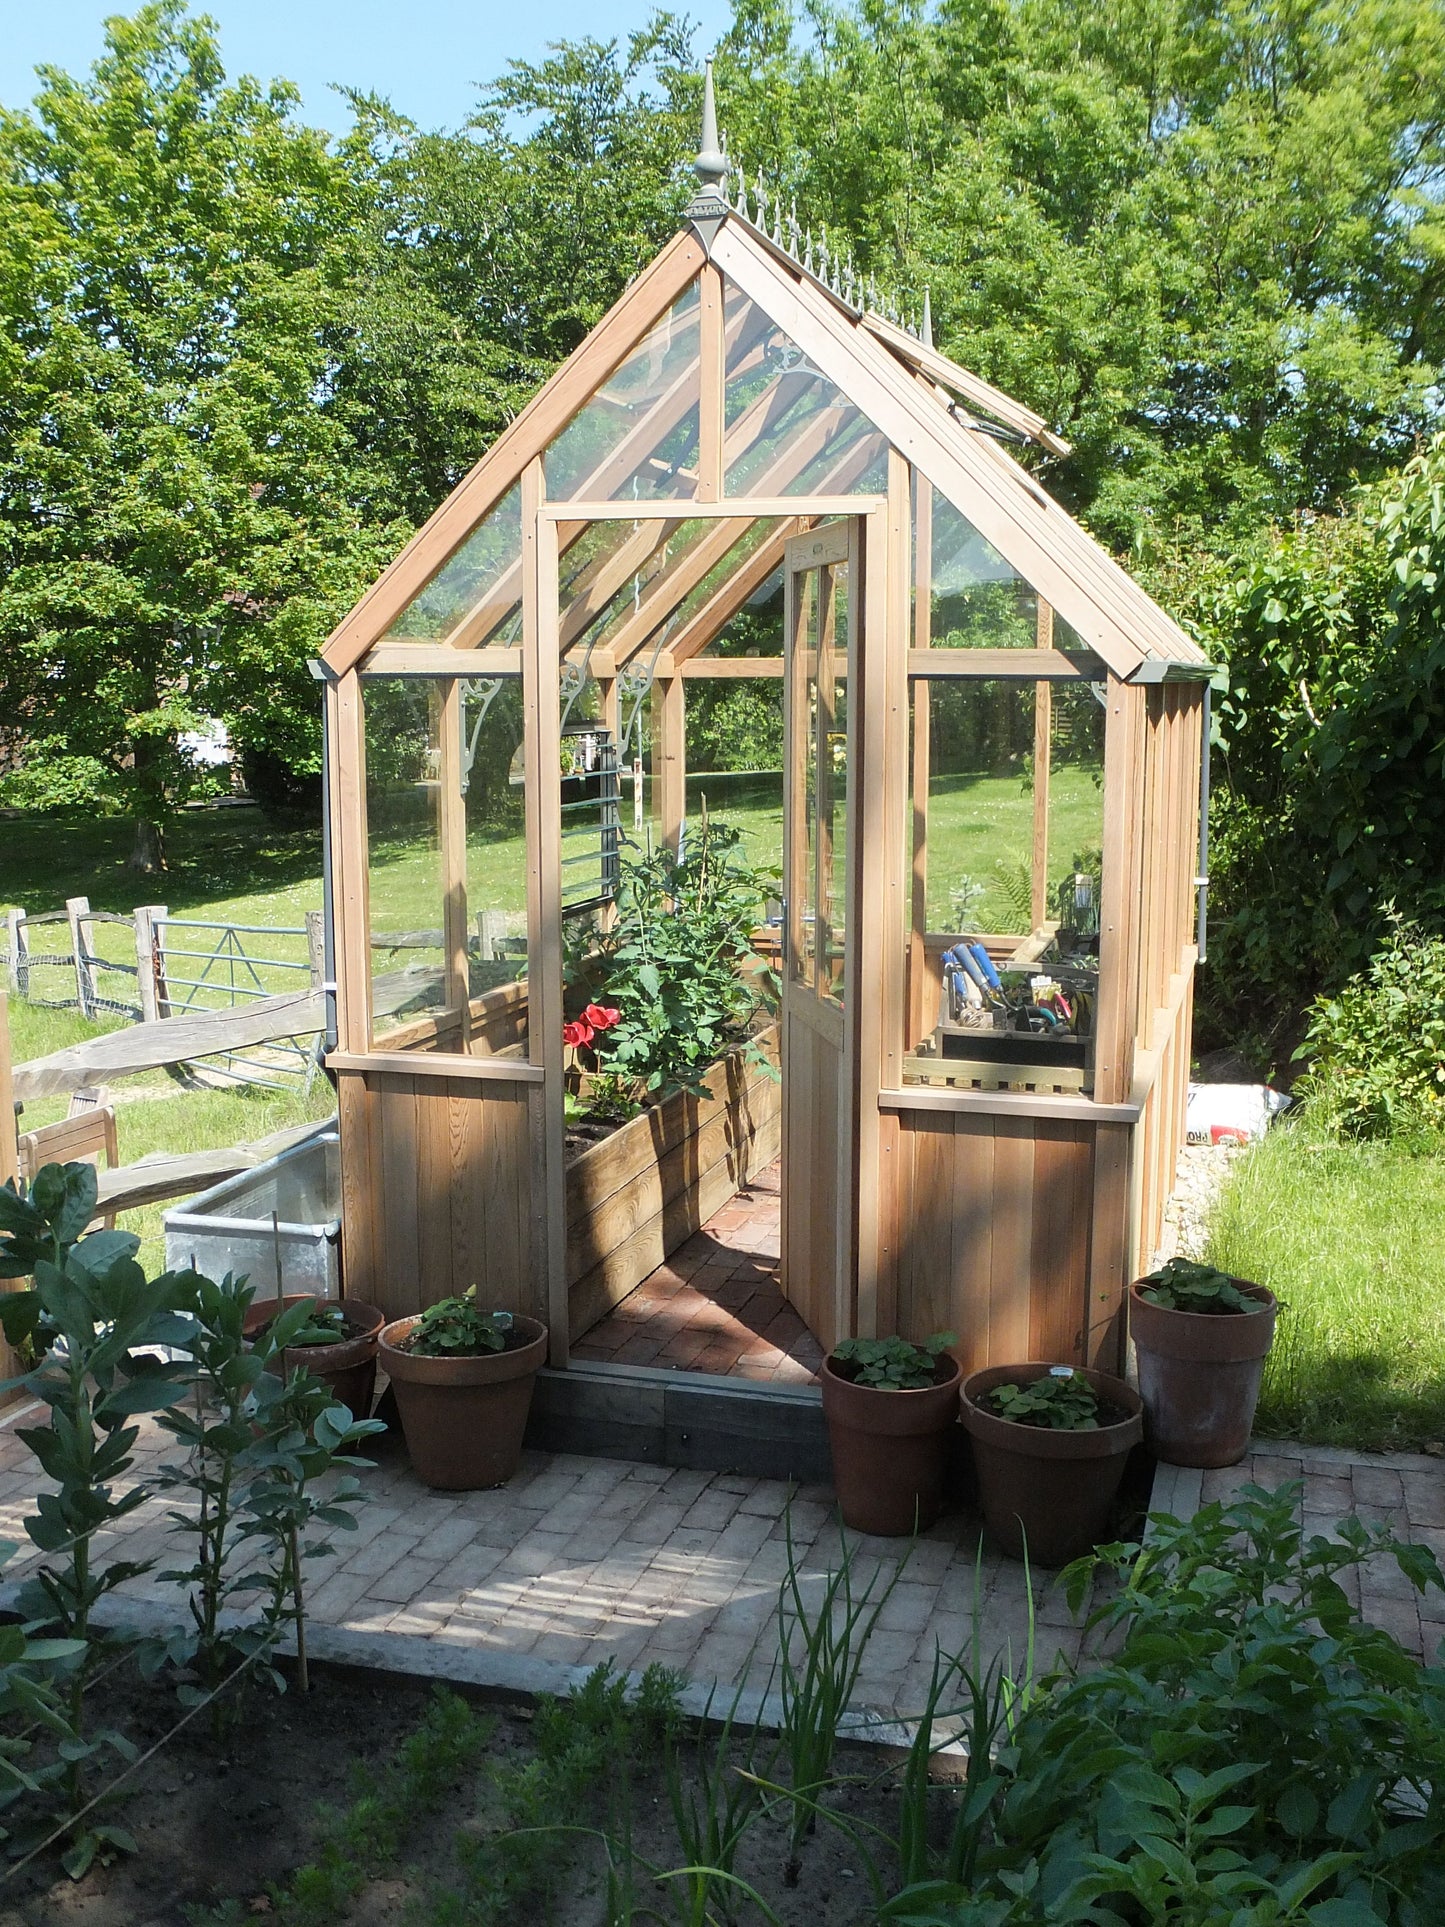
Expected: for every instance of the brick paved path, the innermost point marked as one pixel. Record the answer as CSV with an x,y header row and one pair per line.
x,y
1404,1490
583,1559
715,1305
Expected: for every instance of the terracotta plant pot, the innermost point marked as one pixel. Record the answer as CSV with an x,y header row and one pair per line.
x,y
889,1449
1199,1376
1047,1494
464,1417
348,1368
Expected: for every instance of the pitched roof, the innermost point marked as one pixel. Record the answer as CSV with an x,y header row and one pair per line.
x,y
868,381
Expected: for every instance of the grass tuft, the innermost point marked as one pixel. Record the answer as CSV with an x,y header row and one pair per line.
x,y
1350,1237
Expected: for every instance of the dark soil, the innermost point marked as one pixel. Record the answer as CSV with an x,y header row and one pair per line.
x,y
220,1821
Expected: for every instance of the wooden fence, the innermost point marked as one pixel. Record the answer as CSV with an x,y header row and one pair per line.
x,y
168,968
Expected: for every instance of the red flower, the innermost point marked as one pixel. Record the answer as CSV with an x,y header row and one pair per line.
x,y
578,1034
602,1016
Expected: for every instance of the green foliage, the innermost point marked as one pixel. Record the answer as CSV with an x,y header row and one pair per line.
x,y
457,1328
256,1447
390,1800
1347,1230
892,1364
822,1644
1244,1705
31,1704
274,353
587,1749
677,961
1376,1049
298,1476
323,1324
1329,801
84,1319
1060,1401
1183,1285
735,726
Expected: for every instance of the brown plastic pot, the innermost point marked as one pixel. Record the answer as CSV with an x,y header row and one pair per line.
x,y
1046,1495
889,1449
1199,1376
348,1368
464,1417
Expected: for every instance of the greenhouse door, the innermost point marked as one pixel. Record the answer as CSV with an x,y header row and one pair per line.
x,y
821,618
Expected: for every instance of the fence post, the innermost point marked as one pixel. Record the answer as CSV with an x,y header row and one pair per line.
x,y
146,960
77,910
316,946
150,934
19,969
491,926
9,1144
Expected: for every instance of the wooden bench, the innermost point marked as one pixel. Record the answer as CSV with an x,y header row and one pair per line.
x,y
86,1138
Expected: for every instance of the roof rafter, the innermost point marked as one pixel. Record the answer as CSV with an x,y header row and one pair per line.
x,y
1080,579
554,404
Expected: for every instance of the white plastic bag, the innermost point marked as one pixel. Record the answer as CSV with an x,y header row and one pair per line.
x,y
1231,1113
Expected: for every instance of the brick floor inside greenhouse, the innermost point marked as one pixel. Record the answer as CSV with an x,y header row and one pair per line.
x,y
716,1305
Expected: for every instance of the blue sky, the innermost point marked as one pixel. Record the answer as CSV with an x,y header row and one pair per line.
x,y
427,57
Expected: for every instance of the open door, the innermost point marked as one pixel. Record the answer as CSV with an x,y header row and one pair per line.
x,y
821,617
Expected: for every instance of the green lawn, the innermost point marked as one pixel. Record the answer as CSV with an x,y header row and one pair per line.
x,y
243,866
1350,1237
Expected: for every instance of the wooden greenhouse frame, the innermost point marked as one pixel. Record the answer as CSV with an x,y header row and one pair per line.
x,y
996,1199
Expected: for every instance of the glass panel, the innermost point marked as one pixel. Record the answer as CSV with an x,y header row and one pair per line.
x,y
591,799
475,596
819,944
494,911
446,865
833,786
642,570
789,430
757,628
1008,813
637,437
1076,816
403,796
977,600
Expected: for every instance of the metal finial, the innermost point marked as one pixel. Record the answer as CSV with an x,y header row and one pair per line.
x,y
808,251
777,220
926,332
711,165
873,292
762,200
795,233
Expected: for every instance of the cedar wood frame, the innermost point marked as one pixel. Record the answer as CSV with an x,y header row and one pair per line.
x,y
1014,1217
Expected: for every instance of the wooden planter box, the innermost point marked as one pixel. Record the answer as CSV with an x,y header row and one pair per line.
x,y
634,1198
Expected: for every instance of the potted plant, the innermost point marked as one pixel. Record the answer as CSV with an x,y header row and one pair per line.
x,y
1201,1338
336,1341
890,1407
463,1379
1049,1445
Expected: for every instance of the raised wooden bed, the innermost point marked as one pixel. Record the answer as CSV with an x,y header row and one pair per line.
x,y
635,1197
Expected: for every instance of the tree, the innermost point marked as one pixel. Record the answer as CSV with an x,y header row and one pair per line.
x,y
170,522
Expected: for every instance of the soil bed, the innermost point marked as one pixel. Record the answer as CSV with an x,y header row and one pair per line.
x,y
219,1825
